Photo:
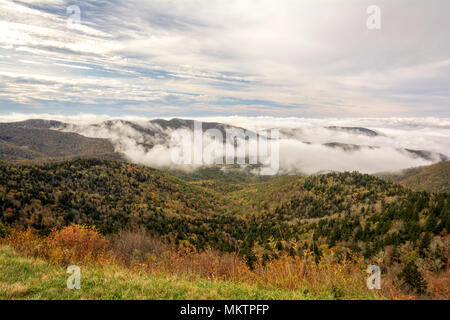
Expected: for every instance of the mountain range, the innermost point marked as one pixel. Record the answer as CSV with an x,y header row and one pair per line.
x,y
52,176
353,210
46,139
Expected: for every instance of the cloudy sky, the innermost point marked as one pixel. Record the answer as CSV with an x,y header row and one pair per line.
x,y
154,58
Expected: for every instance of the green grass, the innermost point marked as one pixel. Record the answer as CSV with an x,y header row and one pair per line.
x,y
27,278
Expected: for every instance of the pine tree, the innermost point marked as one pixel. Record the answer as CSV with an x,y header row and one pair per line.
x,y
413,279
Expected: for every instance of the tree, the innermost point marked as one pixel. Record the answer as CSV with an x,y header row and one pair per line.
x,y
412,278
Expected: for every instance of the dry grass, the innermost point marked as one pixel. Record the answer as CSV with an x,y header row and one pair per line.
x,y
136,246
336,276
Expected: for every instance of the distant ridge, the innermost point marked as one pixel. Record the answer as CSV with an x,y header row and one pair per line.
x,y
434,178
38,140
358,130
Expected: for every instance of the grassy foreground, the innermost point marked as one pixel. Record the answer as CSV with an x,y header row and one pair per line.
x,y
30,278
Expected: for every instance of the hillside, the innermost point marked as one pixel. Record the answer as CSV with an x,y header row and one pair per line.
x,y
347,209
434,178
37,140
330,218
352,210
115,195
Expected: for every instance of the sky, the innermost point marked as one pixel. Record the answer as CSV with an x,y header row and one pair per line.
x,y
213,58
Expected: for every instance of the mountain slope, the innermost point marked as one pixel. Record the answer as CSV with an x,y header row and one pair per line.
x,y
351,210
114,195
347,209
37,140
434,178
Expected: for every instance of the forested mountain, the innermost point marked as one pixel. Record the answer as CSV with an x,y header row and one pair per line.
x,y
434,178
117,139
351,210
39,140
225,207
110,195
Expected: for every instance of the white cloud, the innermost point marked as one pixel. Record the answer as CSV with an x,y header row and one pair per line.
x,y
302,151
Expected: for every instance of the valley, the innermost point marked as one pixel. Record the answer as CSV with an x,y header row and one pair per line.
x,y
61,180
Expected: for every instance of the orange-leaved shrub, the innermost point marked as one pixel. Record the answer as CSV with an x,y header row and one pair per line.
x,y
76,244
26,241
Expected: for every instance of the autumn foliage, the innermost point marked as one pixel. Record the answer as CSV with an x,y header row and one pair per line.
x,y
76,243
141,252
69,245
319,232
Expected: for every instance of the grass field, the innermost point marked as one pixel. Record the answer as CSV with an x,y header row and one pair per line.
x,y
30,278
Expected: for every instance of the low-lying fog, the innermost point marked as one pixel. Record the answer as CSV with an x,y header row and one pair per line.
x,y
302,141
